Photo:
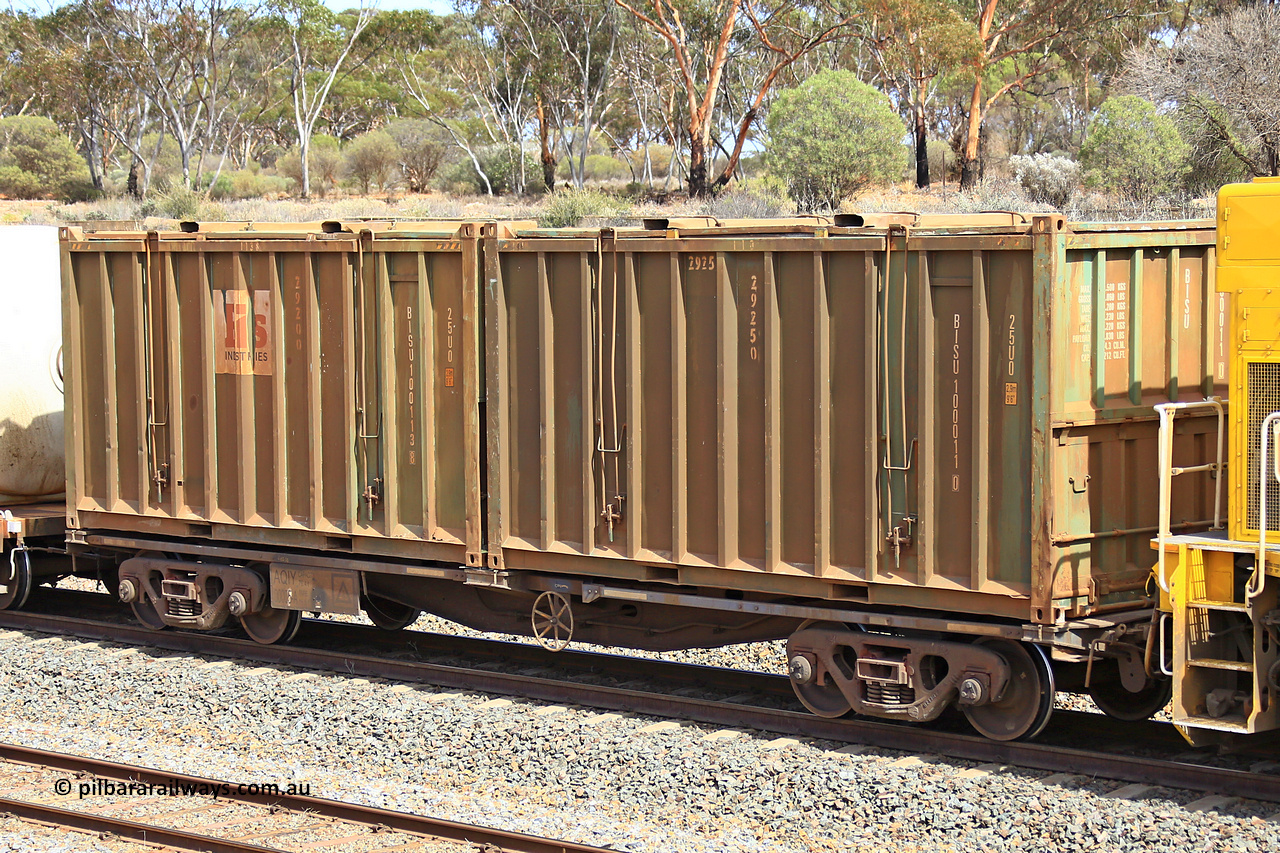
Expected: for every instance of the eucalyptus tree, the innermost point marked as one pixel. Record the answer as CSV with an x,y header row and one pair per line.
x,y
1020,42
435,87
583,42
187,58
702,35
58,66
368,93
317,45
912,43
481,87
1224,80
648,93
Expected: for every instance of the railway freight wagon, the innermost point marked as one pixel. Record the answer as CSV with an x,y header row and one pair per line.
x,y
922,450
31,437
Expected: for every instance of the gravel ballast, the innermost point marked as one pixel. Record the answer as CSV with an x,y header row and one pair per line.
x,y
573,773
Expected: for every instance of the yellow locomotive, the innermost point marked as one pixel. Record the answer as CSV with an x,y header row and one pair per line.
x,y
1220,590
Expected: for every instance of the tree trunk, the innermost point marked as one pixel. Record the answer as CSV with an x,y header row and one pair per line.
x,y
547,156
970,169
922,147
304,148
697,168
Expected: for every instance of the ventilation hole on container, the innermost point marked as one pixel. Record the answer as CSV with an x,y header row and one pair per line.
x,y
629,611
1039,614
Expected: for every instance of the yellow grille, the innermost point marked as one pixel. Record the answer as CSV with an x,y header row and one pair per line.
x,y
1264,398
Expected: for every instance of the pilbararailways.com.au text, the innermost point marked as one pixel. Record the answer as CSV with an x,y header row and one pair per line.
x,y
178,788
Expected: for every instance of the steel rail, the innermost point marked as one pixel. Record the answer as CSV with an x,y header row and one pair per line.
x,y
127,829
429,828
1170,773
87,604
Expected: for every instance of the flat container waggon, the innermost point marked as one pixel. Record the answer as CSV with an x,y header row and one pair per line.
x,y
918,448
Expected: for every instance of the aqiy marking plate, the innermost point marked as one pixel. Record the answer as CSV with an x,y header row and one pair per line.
x,y
328,590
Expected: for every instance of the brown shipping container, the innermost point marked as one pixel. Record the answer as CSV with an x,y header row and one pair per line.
x,y
311,386
955,414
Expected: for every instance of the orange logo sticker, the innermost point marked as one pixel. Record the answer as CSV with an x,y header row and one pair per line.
x,y
242,332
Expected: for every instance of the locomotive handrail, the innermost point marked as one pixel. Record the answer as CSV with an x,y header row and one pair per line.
x,y
1167,412
1254,586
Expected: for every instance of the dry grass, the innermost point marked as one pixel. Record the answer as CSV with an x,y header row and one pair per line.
x,y
750,202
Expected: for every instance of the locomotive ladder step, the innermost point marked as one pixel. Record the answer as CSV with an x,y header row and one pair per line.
x,y
1224,724
1213,663
1228,606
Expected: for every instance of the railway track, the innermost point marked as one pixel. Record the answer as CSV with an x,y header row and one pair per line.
x,y
1145,753
176,810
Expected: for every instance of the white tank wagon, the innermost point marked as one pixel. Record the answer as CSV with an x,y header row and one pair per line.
x,y
32,458
32,450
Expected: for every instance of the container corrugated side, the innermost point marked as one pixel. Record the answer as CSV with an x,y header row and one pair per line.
x,y
315,388
770,412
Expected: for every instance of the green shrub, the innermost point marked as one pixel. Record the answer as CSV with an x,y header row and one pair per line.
x,y
501,165
184,205
245,183
1132,150
943,162
422,151
220,187
602,167
371,160
567,208
1047,178
324,159
37,160
659,159
758,198
832,136
253,183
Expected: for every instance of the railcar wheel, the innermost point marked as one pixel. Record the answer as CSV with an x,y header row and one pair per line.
x,y
1024,709
387,614
145,612
1116,702
270,625
826,699
16,575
